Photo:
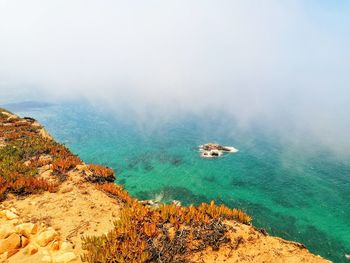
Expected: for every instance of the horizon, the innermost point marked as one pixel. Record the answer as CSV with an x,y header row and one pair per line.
x,y
252,61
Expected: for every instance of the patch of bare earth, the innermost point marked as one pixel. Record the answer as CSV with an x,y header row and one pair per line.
x,y
249,244
77,209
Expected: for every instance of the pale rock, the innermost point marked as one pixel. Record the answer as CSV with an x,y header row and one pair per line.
x,y
45,158
65,258
27,229
14,221
10,243
47,174
65,245
9,215
5,231
46,259
31,249
45,134
45,168
3,257
36,124
27,163
13,210
45,252
45,237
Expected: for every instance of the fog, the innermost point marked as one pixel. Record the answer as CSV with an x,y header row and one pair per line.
x,y
275,61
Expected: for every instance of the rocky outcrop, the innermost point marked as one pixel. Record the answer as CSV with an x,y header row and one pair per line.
x,y
30,242
211,150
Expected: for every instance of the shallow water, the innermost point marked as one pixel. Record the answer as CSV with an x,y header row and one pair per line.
x,y
295,189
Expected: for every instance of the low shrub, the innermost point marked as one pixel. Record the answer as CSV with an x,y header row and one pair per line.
x,y
100,174
64,165
23,144
165,234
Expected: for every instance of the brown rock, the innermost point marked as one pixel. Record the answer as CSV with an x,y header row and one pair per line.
x,y
24,241
12,252
55,245
65,258
10,243
45,237
67,189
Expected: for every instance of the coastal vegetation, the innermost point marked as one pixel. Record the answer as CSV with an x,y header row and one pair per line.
x,y
167,233
102,222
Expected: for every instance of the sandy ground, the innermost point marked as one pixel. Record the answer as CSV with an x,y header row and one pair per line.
x,y
77,210
250,245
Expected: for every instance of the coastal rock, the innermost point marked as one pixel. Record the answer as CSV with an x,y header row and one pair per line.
x,y
45,237
45,134
26,229
45,158
211,150
5,231
24,241
9,215
32,249
10,243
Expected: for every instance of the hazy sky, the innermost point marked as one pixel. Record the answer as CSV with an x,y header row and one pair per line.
x,y
252,59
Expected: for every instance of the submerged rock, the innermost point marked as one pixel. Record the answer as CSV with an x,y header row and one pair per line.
x,y
211,150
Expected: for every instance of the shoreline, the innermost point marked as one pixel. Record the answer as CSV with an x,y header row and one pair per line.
x,y
81,187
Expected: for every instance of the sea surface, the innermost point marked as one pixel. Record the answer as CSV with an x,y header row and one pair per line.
x,y
292,186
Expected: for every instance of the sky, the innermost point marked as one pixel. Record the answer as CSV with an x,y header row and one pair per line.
x,y
270,60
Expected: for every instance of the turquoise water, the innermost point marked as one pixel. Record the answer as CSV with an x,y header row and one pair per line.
x,y
293,187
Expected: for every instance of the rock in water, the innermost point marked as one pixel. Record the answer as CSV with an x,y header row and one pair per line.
x,y
211,150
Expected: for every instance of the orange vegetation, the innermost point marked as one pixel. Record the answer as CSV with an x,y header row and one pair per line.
x,y
19,157
100,174
163,234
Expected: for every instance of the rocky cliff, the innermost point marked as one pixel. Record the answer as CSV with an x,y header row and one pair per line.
x,y
56,208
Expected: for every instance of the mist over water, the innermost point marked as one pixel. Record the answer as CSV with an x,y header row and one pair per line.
x,y
139,85
272,61
298,191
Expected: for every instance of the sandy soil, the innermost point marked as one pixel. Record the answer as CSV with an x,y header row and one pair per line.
x,y
251,245
77,210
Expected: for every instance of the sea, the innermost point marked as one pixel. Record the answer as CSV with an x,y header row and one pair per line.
x,y
292,185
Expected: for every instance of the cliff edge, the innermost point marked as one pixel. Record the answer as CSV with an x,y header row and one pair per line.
x,y
56,208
